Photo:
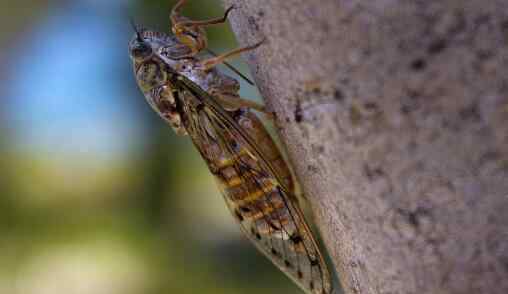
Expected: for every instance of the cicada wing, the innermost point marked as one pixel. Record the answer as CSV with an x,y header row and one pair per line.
x,y
226,120
255,195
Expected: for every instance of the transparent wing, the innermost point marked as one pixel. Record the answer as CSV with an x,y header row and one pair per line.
x,y
216,111
255,193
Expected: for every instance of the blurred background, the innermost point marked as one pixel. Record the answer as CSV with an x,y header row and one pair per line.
x,y
97,194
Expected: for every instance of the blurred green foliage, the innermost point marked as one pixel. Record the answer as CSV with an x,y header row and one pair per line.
x,y
148,221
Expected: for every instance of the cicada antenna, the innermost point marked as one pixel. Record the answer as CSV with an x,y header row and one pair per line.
x,y
136,29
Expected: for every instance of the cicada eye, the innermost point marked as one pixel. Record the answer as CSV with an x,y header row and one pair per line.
x,y
141,50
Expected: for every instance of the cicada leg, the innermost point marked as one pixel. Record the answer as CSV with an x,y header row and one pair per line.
x,y
242,102
189,32
234,102
214,61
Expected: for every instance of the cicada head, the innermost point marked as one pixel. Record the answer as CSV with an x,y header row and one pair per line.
x,y
149,53
145,44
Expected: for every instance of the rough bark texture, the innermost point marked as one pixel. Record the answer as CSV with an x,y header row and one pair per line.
x,y
395,117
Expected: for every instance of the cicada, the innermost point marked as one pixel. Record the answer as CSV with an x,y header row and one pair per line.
x,y
199,101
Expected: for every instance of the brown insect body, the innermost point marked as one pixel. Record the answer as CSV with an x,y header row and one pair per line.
x,y
256,183
154,80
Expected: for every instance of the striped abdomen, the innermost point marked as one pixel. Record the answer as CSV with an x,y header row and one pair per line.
x,y
256,195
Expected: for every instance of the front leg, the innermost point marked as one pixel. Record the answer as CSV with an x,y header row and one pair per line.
x,y
189,32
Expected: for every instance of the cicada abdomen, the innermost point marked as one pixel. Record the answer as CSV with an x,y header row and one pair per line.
x,y
266,211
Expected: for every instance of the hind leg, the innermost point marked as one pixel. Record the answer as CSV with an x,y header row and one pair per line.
x,y
214,61
232,102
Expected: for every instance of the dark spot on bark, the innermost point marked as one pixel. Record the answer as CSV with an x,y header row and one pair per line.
x,y
411,146
482,19
489,156
373,173
312,169
418,64
287,263
338,95
314,262
484,54
413,94
405,109
504,25
344,80
504,261
258,236
450,125
409,103
353,264
261,13
470,112
298,117
437,46
460,23
253,23
298,112
413,217
325,27
319,149
275,252
244,209
371,106
355,115
311,285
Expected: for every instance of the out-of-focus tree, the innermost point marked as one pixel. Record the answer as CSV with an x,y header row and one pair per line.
x,y
395,114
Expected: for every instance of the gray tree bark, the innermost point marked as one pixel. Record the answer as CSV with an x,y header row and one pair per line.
x,y
395,118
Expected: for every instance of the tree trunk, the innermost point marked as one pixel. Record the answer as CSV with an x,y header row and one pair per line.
x,y
395,118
